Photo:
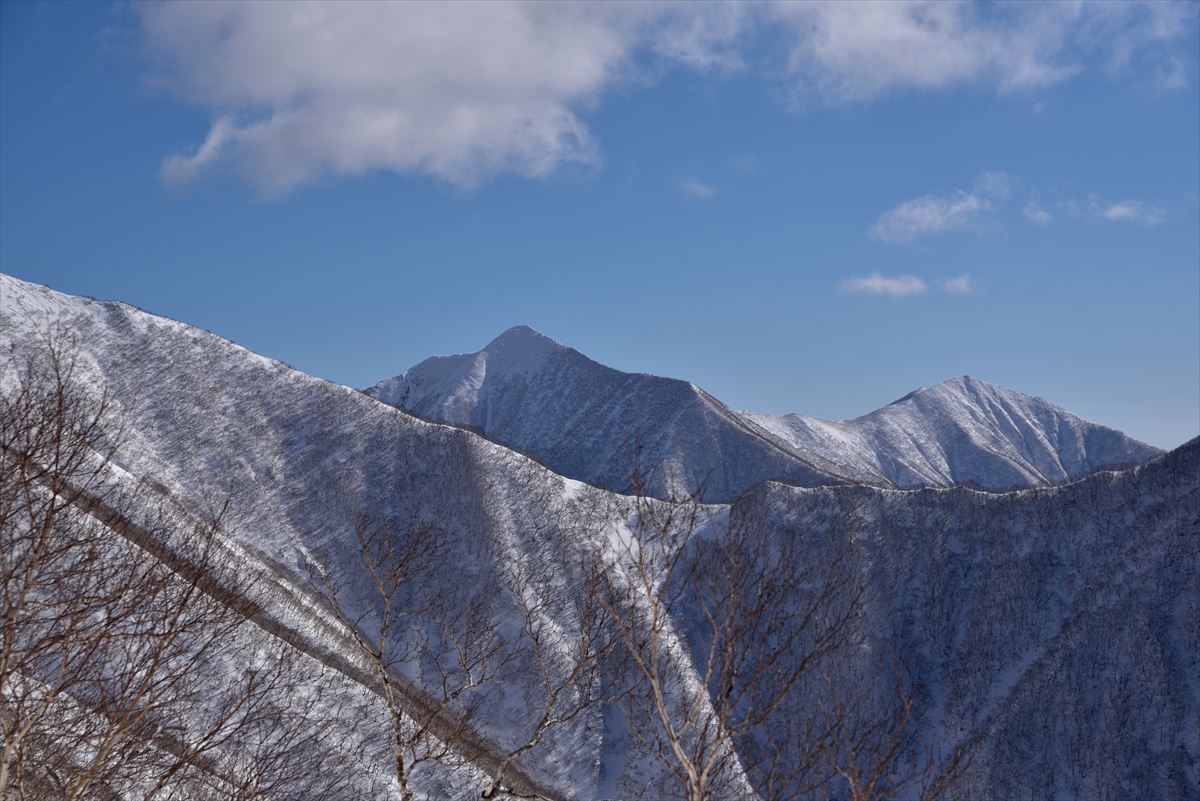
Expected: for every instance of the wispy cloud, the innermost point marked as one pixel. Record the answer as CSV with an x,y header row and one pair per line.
x,y
1135,211
695,189
898,286
181,169
958,285
927,215
846,52
1124,211
745,164
933,214
1036,214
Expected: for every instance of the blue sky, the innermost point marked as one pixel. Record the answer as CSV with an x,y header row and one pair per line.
x,y
798,207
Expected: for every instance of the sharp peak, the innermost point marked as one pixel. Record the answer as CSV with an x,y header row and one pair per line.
x,y
523,342
521,334
520,347
957,384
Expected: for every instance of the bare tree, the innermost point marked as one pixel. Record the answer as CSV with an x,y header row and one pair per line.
x,y
116,614
408,617
566,641
438,651
728,630
874,752
118,677
253,739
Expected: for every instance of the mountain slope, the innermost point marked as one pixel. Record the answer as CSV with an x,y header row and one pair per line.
x,y
298,460
528,391
963,431
1057,623
1060,624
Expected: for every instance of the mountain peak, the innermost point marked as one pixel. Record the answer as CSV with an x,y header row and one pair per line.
x,y
959,385
576,415
521,331
520,337
526,390
962,430
520,349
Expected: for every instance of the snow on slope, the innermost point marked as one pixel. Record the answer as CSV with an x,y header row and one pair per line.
x,y
1060,623
963,431
298,459
528,391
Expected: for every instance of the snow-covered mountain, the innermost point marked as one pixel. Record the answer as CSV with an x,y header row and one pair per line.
x,y
298,460
528,391
1060,625
578,417
962,431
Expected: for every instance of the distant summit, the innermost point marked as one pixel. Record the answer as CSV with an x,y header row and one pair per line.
x,y
576,415
530,392
963,431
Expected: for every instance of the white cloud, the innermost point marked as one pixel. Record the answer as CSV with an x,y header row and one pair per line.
x,y
931,214
182,169
879,284
466,91
455,90
695,189
703,37
927,215
846,52
1134,32
901,286
958,285
857,51
1127,211
1036,214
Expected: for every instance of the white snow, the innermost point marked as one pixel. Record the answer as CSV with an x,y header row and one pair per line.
x,y
528,391
1066,613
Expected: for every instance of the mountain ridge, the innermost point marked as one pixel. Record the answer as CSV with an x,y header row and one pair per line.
x,y
1018,439
962,431
590,413
1055,621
